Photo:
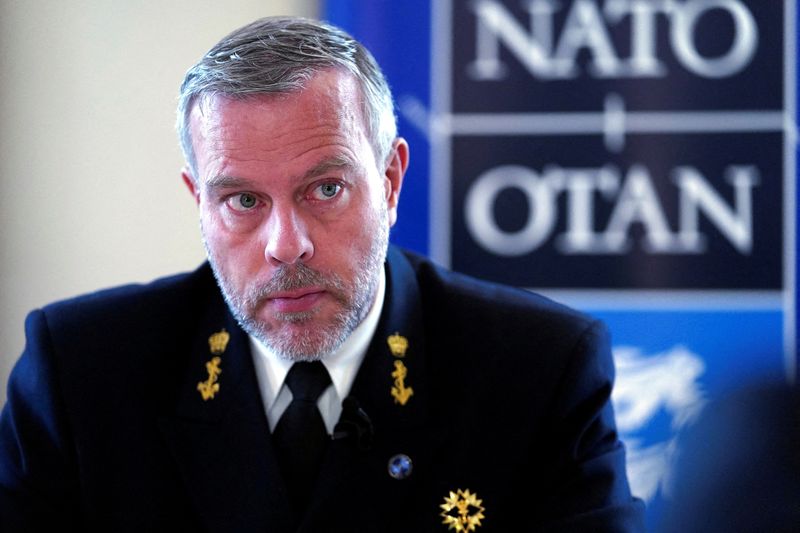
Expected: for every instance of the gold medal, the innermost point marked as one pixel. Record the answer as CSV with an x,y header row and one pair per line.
x,y
462,510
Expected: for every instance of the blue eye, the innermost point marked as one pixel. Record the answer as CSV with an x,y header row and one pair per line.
x,y
243,202
326,191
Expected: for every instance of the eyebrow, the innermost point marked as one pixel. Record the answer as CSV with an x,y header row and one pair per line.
x,y
337,162
326,165
223,181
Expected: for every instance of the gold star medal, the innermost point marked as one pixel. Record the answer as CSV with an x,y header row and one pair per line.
x,y
462,510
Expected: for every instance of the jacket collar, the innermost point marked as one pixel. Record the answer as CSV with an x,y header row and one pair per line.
x,y
350,475
222,444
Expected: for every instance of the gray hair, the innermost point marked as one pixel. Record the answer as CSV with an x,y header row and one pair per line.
x,y
280,55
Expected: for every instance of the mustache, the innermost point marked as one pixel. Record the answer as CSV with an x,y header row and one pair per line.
x,y
293,277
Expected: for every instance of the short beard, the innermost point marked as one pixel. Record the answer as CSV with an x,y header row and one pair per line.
x,y
321,339
324,339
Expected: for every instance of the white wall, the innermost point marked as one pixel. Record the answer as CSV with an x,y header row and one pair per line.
x,y
90,192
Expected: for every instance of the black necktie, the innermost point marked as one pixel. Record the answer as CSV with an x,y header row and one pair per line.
x,y
300,436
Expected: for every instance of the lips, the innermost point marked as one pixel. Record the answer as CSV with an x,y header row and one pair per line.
x,y
296,301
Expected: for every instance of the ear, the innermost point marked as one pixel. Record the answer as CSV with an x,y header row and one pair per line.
x,y
396,168
191,184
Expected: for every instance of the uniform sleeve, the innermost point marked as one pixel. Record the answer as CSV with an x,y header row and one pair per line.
x,y
591,492
37,466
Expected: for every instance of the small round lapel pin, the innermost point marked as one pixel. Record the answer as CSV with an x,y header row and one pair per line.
x,y
400,466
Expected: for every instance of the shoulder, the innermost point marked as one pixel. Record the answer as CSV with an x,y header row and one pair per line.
x,y
116,342
495,306
144,301
122,326
499,334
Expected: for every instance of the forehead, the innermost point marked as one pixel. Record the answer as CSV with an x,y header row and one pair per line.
x,y
331,100
281,135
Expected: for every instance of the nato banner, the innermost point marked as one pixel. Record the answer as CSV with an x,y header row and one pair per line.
x,y
632,158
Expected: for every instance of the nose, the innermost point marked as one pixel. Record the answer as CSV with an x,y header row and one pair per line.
x,y
288,239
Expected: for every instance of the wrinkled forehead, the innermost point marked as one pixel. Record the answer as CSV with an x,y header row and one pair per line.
x,y
282,129
330,93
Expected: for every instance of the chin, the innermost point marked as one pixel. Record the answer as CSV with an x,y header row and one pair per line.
x,y
302,340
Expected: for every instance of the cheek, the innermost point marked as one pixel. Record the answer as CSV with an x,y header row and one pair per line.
x,y
211,229
363,230
221,225
228,247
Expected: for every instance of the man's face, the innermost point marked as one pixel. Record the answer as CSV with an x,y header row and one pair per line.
x,y
295,211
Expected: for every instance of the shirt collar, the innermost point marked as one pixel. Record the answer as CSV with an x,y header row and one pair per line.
x,y
342,365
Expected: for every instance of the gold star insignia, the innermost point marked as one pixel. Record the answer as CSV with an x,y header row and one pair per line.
x,y
462,510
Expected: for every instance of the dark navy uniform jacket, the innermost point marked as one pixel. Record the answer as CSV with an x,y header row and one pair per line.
x,y
105,427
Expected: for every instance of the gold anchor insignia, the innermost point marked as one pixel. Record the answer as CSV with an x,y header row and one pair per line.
x,y
210,387
462,510
218,342
400,392
398,345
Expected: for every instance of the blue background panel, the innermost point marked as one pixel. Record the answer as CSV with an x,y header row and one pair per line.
x,y
669,365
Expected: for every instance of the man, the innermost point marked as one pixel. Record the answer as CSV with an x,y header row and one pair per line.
x,y
322,383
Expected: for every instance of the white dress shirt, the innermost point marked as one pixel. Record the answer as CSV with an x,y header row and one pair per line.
x,y
342,365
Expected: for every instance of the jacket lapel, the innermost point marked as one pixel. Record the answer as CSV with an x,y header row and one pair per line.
x,y
221,442
351,476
